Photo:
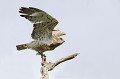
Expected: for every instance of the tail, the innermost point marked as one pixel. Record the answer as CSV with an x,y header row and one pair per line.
x,y
21,47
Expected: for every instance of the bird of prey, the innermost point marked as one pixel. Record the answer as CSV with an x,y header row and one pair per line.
x,y
45,37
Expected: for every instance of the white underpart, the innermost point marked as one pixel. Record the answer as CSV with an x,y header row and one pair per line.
x,y
38,42
47,40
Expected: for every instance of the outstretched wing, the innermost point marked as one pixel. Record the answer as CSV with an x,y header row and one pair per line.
x,y
43,23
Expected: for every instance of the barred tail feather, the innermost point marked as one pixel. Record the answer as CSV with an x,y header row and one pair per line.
x,y
21,47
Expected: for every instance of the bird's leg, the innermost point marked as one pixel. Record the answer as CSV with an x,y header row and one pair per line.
x,y
43,58
40,53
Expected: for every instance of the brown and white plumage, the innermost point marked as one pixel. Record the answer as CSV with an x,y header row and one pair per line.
x,y
44,36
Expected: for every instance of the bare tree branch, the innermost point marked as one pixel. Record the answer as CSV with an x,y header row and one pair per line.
x,y
53,65
66,58
48,66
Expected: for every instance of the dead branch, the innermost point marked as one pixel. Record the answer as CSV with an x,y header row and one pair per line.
x,y
53,65
48,66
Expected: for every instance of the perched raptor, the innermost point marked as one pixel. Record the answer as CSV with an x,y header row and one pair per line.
x,y
45,37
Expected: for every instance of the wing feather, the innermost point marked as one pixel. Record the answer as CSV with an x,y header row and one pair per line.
x,y
43,23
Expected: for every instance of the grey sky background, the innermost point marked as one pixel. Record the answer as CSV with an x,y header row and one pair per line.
x,y
92,28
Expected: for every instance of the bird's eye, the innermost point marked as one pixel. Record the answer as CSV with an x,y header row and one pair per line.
x,y
61,39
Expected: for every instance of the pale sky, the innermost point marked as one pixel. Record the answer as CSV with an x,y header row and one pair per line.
x,y
92,28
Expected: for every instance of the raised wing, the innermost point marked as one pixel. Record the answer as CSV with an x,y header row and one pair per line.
x,y
43,22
